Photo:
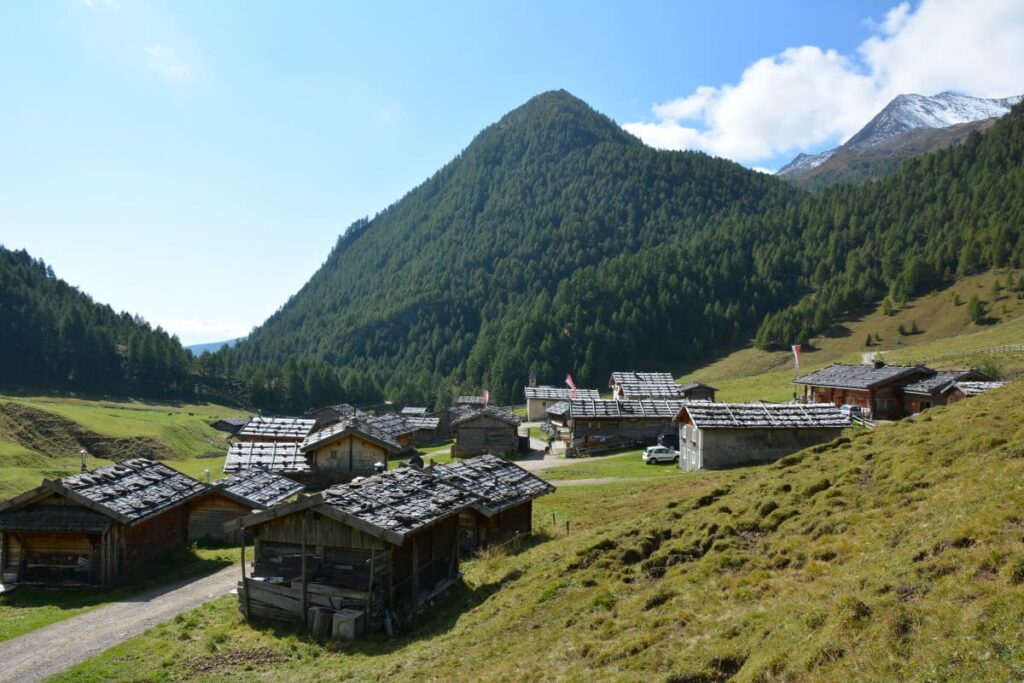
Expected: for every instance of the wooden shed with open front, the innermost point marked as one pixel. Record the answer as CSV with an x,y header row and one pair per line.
x,y
380,546
95,527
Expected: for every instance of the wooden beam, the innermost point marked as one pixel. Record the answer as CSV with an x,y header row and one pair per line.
x,y
245,585
305,595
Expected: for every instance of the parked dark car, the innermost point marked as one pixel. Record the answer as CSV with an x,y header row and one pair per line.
x,y
669,440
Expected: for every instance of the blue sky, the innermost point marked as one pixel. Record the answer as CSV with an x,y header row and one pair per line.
x,y
194,162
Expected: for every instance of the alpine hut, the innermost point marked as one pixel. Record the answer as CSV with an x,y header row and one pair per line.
x,y
596,424
485,430
267,429
539,399
236,496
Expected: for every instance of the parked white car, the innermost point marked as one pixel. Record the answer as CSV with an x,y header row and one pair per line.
x,y
655,454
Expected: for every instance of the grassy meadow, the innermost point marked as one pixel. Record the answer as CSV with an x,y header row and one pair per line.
x,y
896,554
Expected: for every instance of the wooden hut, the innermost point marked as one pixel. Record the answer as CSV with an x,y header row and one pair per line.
x,y
231,425
485,430
356,552
936,389
505,494
719,435
398,428
597,425
470,402
236,496
269,429
328,415
876,388
539,399
961,390
427,429
95,527
343,451
698,391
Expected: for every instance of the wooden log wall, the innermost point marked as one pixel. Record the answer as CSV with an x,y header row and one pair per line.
x,y
208,515
485,434
150,540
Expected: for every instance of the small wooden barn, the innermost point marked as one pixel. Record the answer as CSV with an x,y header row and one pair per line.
x,y
357,552
720,435
539,399
396,427
620,423
343,451
427,429
698,391
267,429
961,390
231,425
936,389
876,388
558,414
485,430
95,527
505,493
236,496
470,402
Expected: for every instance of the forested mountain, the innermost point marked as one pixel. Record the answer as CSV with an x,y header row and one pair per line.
x,y
556,242
419,297
52,335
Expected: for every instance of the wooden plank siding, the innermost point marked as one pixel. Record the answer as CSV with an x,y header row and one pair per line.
x,y
485,434
208,515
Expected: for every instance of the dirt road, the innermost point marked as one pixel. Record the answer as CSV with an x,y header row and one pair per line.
x,y
47,651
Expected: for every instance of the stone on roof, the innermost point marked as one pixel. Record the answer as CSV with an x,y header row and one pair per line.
x,y
399,502
415,411
347,427
273,456
284,428
259,488
708,415
490,411
977,388
558,393
391,424
54,518
643,409
424,422
469,401
861,376
132,490
559,409
499,483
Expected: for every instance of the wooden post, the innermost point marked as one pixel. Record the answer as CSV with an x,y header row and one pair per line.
x,y
391,580
415,572
245,585
369,588
305,595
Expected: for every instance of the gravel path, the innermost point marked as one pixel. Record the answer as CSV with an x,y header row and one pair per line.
x,y
47,651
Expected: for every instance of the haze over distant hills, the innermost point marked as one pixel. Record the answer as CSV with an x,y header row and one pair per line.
x,y
906,127
212,347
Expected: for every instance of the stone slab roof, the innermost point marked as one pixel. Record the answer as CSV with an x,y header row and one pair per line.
x,y
643,409
638,385
558,393
413,411
424,422
942,380
707,415
258,487
490,411
499,484
281,428
862,376
130,491
469,401
977,388
391,424
559,409
346,427
273,456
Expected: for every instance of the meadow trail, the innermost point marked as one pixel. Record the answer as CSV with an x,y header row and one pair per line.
x,y
38,655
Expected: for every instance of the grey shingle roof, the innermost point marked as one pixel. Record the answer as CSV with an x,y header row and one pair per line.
x,y
414,411
690,386
54,518
646,385
976,388
490,411
283,428
643,409
341,429
260,488
500,484
132,490
559,409
707,415
274,456
391,424
423,422
941,381
860,376
469,401
398,502
559,393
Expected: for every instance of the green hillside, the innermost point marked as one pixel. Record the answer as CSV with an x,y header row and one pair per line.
x,y
889,555
42,436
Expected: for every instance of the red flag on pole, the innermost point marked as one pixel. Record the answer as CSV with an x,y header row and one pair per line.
x,y
572,384
796,357
487,397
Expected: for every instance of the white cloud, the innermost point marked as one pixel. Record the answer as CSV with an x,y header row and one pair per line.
x,y
167,62
808,96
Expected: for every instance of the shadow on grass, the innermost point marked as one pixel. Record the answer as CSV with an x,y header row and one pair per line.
x,y
172,572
